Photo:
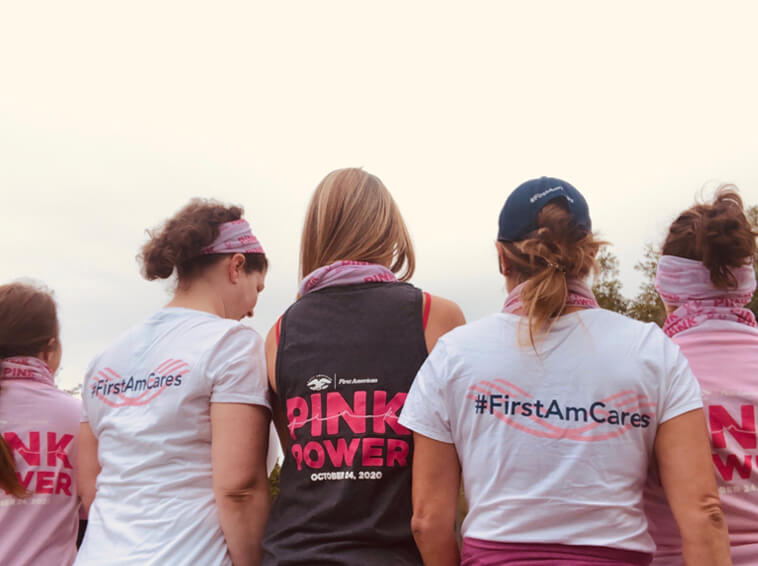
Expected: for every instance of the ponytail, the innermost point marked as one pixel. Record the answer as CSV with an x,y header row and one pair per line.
x,y
718,234
8,479
558,250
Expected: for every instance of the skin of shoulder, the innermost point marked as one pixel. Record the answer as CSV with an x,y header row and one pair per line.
x,y
444,315
271,347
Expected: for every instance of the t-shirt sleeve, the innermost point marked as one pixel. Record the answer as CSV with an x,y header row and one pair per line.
x,y
425,410
86,392
237,368
681,390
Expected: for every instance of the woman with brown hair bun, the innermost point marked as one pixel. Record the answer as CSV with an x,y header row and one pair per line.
x,y
705,278
176,414
341,360
39,425
551,412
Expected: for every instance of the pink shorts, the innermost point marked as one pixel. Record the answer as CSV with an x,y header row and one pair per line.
x,y
478,552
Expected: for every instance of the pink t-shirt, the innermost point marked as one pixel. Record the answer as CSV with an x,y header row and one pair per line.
x,y
41,426
724,357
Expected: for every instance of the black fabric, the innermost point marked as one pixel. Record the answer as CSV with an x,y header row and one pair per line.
x,y
346,356
81,531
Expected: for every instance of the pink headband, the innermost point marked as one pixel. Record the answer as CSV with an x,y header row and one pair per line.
x,y
234,237
679,280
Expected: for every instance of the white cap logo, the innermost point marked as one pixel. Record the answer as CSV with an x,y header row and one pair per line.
x,y
537,196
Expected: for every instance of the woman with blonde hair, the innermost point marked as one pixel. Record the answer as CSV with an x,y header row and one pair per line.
x,y
552,411
39,428
176,412
705,278
341,360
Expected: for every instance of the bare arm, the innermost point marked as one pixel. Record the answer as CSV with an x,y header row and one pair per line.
x,y
88,466
444,315
280,419
683,452
239,439
436,483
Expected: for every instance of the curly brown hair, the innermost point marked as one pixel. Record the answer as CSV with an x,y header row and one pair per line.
x,y
176,244
718,234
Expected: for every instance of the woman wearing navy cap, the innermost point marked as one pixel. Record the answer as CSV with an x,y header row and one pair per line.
x,y
553,410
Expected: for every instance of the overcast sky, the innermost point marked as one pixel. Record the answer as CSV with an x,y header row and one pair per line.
x,y
114,114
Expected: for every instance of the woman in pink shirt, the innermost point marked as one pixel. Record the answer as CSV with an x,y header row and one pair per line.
x,y
39,508
705,277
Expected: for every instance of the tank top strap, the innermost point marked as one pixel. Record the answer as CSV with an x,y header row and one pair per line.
x,y
427,307
278,329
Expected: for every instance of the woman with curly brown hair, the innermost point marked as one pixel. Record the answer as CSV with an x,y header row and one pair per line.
x,y
705,277
175,413
552,410
39,426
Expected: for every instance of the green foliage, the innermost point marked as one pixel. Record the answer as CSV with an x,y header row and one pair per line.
x,y
273,481
647,305
607,287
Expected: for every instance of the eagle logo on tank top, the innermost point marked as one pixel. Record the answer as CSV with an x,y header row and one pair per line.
x,y
319,382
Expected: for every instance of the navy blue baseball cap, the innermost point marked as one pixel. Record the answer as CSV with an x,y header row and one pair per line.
x,y
519,215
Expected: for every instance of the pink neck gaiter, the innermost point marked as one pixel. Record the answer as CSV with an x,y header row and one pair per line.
x,y
26,367
579,295
686,284
345,272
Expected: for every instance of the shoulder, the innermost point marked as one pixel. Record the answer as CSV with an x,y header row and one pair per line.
x,y
479,336
69,405
58,406
232,335
444,311
613,325
440,317
474,330
208,332
642,345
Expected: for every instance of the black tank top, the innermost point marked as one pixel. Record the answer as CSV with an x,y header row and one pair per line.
x,y
346,359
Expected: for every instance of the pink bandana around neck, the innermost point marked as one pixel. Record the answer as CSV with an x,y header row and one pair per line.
x,y
234,237
686,284
579,295
25,367
345,273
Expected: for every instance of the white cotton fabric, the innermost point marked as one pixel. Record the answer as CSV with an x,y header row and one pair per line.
x,y
564,478
154,503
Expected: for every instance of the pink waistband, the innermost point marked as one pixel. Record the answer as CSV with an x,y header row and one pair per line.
x,y
478,552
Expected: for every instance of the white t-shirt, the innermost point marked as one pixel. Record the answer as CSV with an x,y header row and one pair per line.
x,y
147,399
554,448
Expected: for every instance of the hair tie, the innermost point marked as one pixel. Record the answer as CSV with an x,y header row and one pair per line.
x,y
555,266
